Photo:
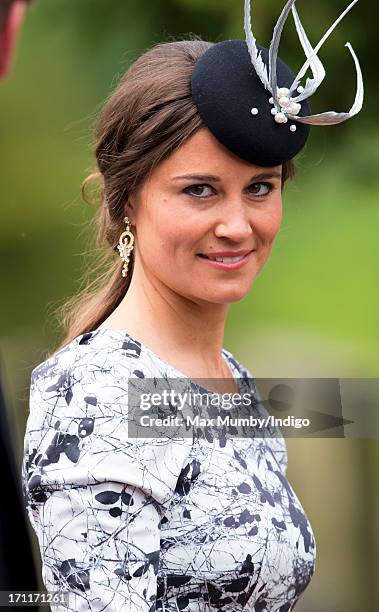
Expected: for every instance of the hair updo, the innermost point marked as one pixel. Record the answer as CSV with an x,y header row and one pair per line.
x,y
149,115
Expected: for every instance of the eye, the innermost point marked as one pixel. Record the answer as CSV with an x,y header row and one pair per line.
x,y
199,191
260,189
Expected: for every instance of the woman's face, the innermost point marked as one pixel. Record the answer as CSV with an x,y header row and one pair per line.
x,y
204,202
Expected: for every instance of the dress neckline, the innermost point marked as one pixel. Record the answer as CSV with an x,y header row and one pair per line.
x,y
237,375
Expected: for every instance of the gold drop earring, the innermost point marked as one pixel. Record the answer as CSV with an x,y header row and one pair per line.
x,y
125,246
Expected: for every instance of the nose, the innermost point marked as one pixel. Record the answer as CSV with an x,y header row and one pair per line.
x,y
234,223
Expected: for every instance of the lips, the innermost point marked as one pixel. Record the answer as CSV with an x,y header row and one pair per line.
x,y
226,256
226,262
224,259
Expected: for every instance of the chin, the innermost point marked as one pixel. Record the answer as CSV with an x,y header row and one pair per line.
x,y
215,293
227,297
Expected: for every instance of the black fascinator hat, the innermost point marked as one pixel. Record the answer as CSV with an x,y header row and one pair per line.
x,y
253,103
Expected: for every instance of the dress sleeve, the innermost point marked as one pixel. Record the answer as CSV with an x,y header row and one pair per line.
x,y
94,496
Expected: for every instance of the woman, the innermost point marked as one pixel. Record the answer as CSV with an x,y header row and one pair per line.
x,y
193,154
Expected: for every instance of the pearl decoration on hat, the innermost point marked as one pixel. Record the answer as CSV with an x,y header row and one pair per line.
x,y
283,91
284,101
288,106
294,108
280,118
254,111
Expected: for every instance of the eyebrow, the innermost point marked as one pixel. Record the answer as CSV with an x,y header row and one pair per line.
x,y
211,178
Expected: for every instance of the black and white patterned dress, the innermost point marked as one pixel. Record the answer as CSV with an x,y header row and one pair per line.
x,y
194,524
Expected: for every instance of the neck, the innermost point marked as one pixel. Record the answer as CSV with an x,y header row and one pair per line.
x,y
152,312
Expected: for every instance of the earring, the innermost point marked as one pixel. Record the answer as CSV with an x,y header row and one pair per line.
x,y
125,246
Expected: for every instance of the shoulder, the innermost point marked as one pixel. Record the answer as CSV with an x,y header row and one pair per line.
x,y
94,352
88,376
98,358
79,425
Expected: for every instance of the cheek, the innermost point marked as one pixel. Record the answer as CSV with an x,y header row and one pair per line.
x,y
267,226
163,237
276,222
269,222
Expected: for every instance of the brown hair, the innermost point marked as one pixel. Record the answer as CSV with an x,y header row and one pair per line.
x,y
149,115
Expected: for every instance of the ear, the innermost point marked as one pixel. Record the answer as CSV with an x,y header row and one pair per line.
x,y
9,33
130,209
